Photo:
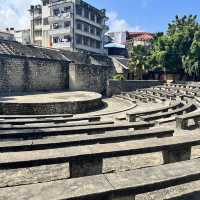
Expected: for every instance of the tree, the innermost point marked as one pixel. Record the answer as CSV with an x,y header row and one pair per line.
x,y
138,61
191,62
178,49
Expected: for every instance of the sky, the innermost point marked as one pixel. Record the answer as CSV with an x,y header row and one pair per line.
x,y
132,15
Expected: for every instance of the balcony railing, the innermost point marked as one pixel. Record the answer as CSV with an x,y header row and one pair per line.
x,y
61,17
61,31
62,45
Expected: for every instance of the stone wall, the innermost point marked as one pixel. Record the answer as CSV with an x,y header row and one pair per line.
x,y
116,87
21,74
89,77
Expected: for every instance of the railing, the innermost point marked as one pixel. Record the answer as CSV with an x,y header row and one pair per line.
x,y
62,45
61,17
60,31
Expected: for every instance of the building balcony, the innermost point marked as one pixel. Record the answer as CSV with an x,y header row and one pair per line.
x,y
62,45
38,38
61,17
60,31
38,27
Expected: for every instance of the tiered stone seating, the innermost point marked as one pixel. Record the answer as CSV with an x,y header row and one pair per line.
x,y
84,143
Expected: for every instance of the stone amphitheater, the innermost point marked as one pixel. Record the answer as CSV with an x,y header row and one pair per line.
x,y
141,145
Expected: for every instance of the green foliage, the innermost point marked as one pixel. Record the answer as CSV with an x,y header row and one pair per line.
x,y
178,50
119,77
138,61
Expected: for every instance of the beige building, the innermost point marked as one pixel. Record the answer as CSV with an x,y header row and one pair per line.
x,y
23,36
69,24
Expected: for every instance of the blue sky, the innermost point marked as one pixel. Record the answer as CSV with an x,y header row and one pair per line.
x,y
149,15
133,15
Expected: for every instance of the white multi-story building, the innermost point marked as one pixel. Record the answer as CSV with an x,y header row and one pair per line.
x,y
23,36
73,25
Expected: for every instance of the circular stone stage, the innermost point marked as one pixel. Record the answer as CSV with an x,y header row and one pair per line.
x,y
51,103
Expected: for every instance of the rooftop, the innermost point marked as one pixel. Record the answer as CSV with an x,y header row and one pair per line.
x,y
141,36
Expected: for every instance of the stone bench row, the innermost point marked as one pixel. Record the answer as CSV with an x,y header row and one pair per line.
x,y
115,186
179,91
33,116
91,129
131,116
179,111
88,160
66,141
143,97
48,120
52,125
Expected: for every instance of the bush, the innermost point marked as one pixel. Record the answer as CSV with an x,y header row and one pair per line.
x,y
119,77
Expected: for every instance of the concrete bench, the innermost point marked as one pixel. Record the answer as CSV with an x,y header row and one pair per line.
x,y
132,116
182,121
88,160
192,195
115,186
66,141
33,116
185,109
52,125
138,97
93,129
55,120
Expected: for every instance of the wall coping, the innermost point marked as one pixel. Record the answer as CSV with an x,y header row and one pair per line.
x,y
35,58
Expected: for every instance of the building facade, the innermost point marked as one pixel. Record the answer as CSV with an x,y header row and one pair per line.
x,y
36,24
69,24
23,36
139,38
7,34
118,37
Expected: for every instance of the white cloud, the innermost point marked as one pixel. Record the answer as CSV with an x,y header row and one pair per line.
x,y
117,24
14,13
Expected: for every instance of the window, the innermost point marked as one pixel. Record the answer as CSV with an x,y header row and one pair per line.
x,y
67,24
99,20
67,9
46,21
98,44
55,40
86,41
79,10
67,38
93,43
56,12
86,13
78,39
92,16
86,27
98,32
79,25
92,30
56,26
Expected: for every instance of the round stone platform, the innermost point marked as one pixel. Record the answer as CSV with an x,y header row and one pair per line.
x,y
51,103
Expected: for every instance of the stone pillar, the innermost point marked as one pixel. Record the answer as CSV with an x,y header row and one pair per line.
x,y
181,123
181,154
197,121
85,167
130,117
